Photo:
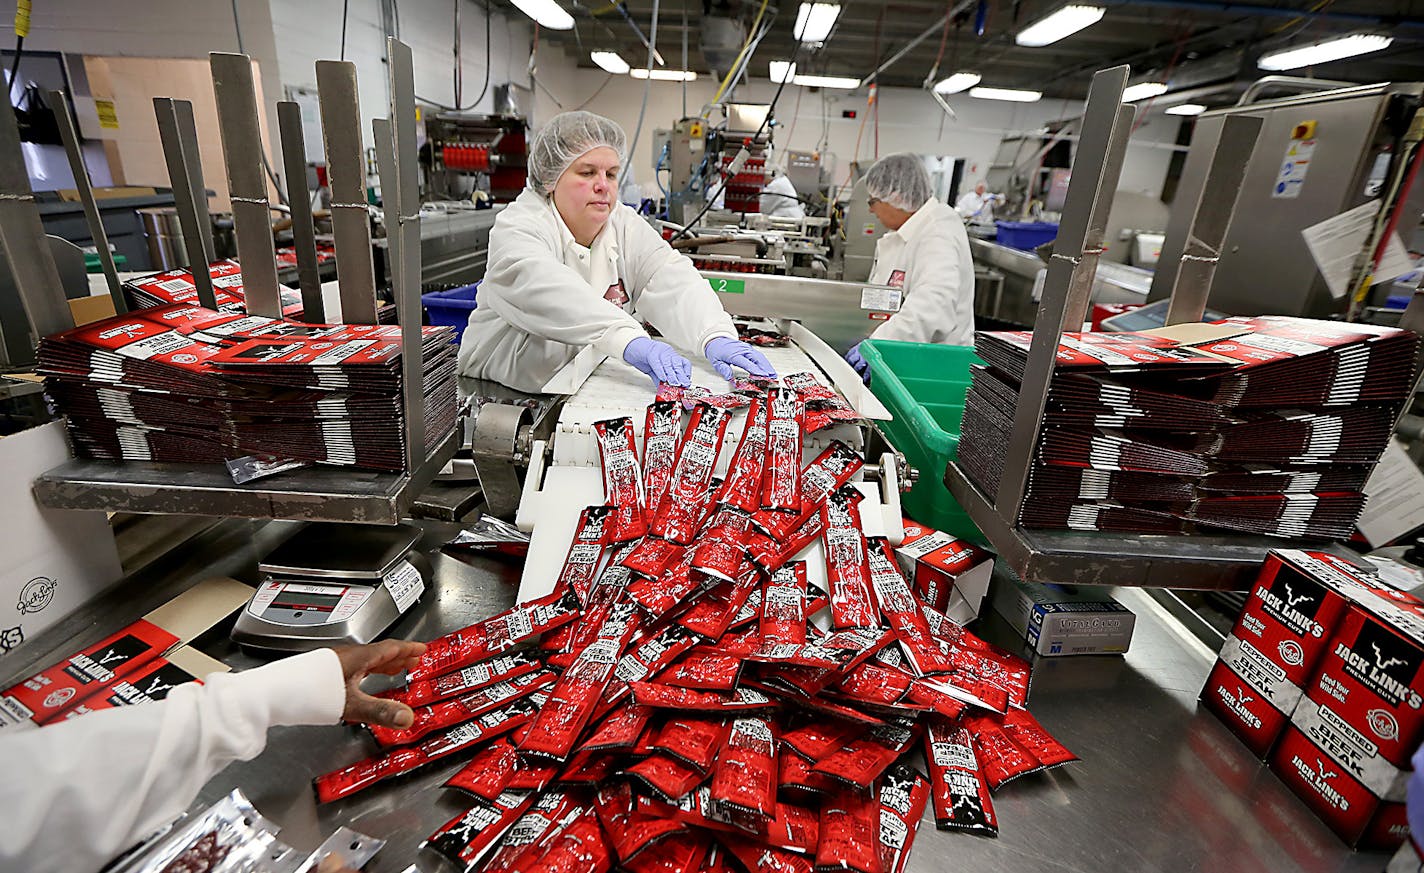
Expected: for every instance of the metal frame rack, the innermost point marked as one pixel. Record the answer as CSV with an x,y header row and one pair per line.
x,y
1204,562
313,494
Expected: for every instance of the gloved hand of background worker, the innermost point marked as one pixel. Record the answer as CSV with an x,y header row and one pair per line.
x,y
726,353
388,657
855,360
659,361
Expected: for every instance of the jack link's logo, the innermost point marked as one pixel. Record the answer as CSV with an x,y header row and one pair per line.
x,y
158,688
1236,703
1382,722
1291,652
1382,663
36,595
1293,601
127,331
1318,777
109,657
1295,611
11,637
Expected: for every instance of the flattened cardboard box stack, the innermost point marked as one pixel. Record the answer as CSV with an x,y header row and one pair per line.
x,y
176,286
1266,425
182,383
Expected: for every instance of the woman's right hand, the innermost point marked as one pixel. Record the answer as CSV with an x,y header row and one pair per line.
x,y
659,361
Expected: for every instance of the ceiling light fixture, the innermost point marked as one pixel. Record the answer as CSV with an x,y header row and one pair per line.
x,y
547,12
1062,22
1186,109
1324,51
842,82
815,20
957,82
664,75
781,71
1013,95
610,61
1143,90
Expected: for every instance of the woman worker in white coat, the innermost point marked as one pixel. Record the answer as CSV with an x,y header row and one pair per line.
x,y
571,267
926,254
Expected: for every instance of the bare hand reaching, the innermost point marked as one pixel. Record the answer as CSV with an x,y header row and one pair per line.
x,y
387,657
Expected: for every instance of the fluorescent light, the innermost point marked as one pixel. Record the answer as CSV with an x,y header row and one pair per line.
x,y
547,12
848,84
1143,90
664,75
1186,109
815,20
956,83
610,61
1010,94
1063,22
1324,51
781,71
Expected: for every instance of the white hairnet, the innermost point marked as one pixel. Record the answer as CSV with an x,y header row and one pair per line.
x,y
899,180
567,136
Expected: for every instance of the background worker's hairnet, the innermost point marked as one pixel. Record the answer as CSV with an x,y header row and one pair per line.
x,y
568,135
899,180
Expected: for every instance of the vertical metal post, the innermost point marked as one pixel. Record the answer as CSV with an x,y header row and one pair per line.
x,y
404,232
247,183
23,238
70,136
1211,217
294,161
346,174
178,133
1106,124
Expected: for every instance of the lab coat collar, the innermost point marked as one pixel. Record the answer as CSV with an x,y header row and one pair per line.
x,y
919,220
605,242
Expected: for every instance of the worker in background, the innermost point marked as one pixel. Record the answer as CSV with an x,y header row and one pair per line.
x,y
926,254
571,267
977,205
80,791
779,198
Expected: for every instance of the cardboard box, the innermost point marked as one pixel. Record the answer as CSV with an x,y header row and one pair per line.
x,y
1364,816
1056,621
949,574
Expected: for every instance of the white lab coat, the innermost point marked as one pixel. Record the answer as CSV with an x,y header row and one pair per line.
x,y
545,297
928,257
78,792
973,206
775,205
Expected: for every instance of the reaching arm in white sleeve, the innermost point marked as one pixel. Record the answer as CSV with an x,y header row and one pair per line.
x,y
528,286
672,295
939,291
77,793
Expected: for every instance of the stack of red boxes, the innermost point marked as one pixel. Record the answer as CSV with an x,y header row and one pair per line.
x,y
1322,677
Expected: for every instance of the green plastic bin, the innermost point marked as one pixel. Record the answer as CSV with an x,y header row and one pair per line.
x,y
923,385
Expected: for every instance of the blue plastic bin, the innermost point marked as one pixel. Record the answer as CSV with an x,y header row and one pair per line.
x,y
1026,235
451,308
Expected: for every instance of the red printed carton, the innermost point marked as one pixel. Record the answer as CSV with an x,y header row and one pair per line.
x,y
949,574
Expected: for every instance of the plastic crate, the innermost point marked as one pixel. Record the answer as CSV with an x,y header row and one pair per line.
x,y
1026,235
451,308
923,385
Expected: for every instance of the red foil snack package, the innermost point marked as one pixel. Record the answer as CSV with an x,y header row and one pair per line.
x,y
489,771
586,551
659,596
903,796
679,853
652,556
533,832
648,694
611,584
1027,732
487,638
794,827
622,479
629,832
588,768
794,775
861,761
669,393
680,512
847,566
576,694
783,608
817,738
363,774
1000,756
449,713
669,777
767,859
722,552
465,838
742,487
874,683
770,552
619,730
654,654
850,824
465,680
660,437
691,739
903,613
841,650
531,775
831,469
781,477
960,791
711,617
745,773
704,668
925,693
579,847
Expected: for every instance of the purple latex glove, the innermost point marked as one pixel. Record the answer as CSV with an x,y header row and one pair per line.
x,y
725,353
659,360
1415,799
855,360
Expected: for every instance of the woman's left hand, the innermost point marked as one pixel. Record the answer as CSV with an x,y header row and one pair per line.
x,y
726,353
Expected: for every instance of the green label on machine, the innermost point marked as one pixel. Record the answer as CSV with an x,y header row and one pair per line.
x,y
728,286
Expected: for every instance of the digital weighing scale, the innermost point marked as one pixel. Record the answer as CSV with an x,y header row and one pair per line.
x,y
333,584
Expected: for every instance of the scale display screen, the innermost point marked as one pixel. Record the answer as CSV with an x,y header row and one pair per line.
x,y
324,599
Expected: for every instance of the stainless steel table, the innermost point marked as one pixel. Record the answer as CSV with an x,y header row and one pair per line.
x,y
1162,785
